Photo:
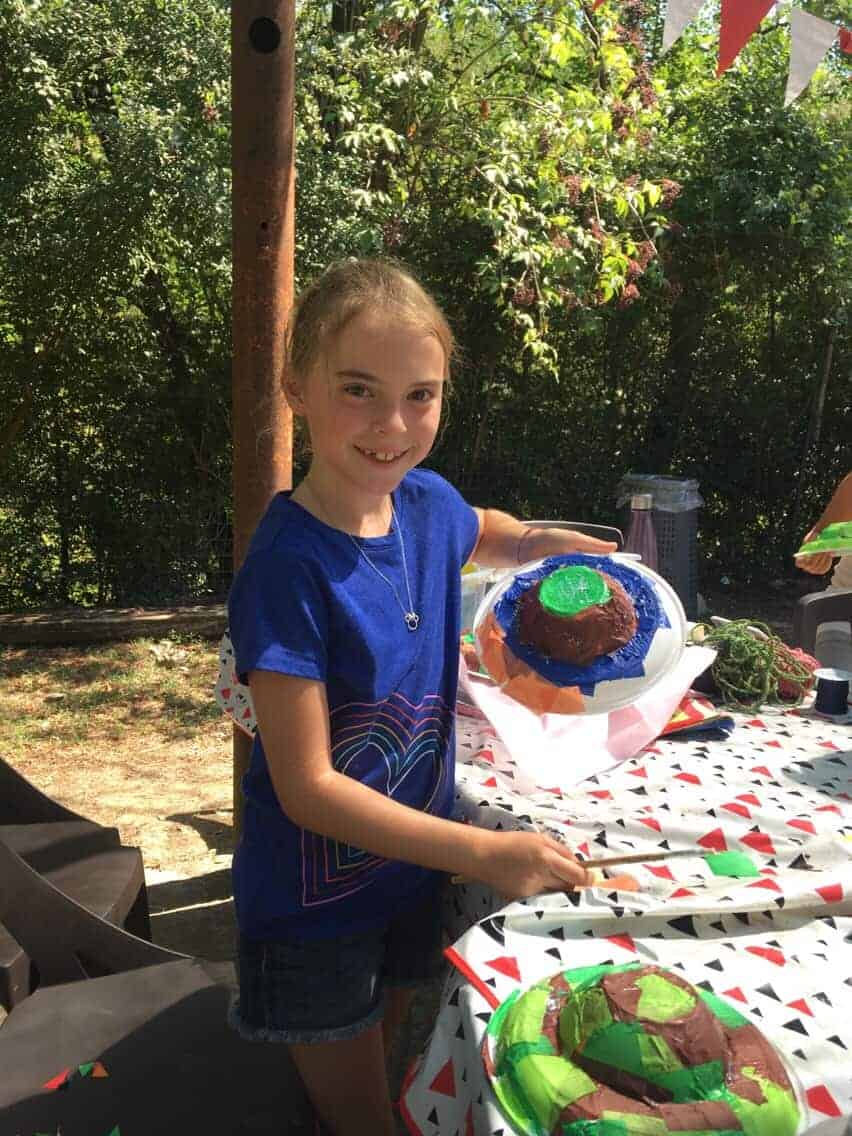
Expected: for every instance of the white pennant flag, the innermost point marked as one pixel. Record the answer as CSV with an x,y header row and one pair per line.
x,y
678,14
810,39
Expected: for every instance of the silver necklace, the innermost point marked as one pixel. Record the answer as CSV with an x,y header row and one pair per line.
x,y
412,619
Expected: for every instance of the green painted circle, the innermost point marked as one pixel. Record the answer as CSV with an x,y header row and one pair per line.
x,y
572,589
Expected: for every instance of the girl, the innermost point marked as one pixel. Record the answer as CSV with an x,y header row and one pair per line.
x,y
345,623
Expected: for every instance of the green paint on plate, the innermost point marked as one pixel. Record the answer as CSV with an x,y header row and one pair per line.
x,y
661,1000
736,864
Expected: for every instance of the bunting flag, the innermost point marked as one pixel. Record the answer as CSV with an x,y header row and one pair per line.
x,y
740,19
810,39
679,13
846,40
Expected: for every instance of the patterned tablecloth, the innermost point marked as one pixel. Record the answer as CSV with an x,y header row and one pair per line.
x,y
778,946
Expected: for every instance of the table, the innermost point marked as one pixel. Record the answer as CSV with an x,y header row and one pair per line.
x,y
776,946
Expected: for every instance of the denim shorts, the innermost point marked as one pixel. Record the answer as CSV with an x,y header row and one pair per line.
x,y
315,990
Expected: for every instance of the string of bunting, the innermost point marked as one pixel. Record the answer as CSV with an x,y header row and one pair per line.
x,y
811,37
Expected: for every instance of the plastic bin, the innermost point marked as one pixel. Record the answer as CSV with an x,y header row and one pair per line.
x,y
675,513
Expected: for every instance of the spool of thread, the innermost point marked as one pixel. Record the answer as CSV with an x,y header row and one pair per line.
x,y
832,691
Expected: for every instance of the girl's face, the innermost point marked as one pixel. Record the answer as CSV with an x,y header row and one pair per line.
x,y
372,405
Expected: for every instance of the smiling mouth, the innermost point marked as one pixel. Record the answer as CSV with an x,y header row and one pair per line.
x,y
384,457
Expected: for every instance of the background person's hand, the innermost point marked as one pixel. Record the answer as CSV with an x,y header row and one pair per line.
x,y
818,564
529,863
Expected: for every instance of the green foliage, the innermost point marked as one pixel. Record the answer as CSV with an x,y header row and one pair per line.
x,y
647,268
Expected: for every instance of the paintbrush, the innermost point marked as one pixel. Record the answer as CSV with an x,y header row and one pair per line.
x,y
627,858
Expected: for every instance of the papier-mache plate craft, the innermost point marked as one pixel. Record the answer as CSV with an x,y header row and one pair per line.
x,y
834,540
580,634
634,1050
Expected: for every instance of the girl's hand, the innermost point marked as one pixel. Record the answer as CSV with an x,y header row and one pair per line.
x,y
535,544
529,863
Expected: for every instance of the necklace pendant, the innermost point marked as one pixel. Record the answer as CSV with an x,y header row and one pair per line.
x,y
412,620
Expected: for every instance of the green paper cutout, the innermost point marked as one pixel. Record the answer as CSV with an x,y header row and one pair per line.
x,y
723,1010
523,1049
779,1114
582,977
657,1056
495,1022
661,1000
515,1105
85,1069
735,864
639,1125
608,1127
618,1047
549,1084
568,591
595,1011
524,1020
696,1082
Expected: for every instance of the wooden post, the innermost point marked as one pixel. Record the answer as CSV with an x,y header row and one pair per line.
x,y
262,215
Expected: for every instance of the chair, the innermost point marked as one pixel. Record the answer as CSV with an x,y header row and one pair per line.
x,y
819,607
602,532
155,1019
81,858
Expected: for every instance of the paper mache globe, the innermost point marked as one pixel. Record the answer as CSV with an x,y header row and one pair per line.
x,y
633,1050
579,634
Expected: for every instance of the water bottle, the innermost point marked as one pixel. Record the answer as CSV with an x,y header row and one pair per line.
x,y
641,537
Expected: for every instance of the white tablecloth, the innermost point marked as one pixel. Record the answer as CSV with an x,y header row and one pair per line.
x,y
778,946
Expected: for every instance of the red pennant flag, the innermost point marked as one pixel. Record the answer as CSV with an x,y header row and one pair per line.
x,y
846,41
740,19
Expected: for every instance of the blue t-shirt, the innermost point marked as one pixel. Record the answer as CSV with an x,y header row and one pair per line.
x,y
306,602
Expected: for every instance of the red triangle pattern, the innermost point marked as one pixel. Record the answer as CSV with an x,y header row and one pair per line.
x,y
689,777
491,783
760,842
770,953
829,745
754,721
445,1082
830,809
735,992
506,965
801,1005
601,794
739,809
831,893
769,884
680,893
761,769
640,772
804,825
662,871
749,798
468,1121
821,1099
624,941
226,692
775,745
651,823
714,840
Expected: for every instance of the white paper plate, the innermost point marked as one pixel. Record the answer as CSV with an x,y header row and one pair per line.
x,y
666,648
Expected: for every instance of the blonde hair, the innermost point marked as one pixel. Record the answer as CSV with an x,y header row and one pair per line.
x,y
345,290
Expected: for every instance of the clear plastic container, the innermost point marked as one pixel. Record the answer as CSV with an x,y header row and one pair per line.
x,y
474,585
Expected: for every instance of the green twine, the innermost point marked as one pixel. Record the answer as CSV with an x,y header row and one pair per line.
x,y
747,670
